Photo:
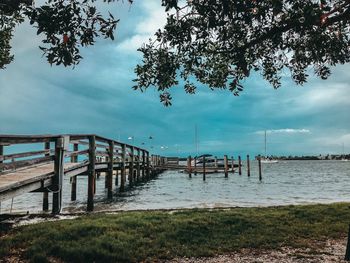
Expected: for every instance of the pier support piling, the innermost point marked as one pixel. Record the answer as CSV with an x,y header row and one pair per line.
x,y
91,173
260,173
46,193
123,170
248,166
109,174
203,168
58,177
189,168
74,159
232,164
239,165
226,166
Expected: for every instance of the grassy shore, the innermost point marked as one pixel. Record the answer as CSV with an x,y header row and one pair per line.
x,y
151,235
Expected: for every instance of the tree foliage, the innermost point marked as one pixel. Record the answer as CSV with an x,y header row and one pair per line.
x,y
66,25
219,42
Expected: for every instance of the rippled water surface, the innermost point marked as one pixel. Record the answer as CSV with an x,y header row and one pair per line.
x,y
286,182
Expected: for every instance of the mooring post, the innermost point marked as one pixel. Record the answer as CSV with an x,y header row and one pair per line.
x,y
239,165
91,173
131,165
74,159
138,164
46,193
1,153
232,164
148,166
123,170
109,175
189,166
58,177
203,168
226,165
195,165
260,173
248,166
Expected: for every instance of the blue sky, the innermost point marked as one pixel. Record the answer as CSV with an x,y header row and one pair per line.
x,y
96,97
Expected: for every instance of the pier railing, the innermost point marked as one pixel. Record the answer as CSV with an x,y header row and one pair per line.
x,y
55,156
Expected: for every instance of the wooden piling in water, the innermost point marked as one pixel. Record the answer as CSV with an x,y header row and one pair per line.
x,y
123,170
232,164
91,173
58,175
239,165
116,181
143,164
131,165
148,172
109,175
226,166
248,166
203,168
74,159
46,193
138,167
260,173
189,168
1,153
195,165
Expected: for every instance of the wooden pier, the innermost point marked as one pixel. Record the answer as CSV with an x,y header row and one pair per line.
x,y
45,160
71,155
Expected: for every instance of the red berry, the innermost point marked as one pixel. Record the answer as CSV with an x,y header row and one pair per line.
x,y
65,38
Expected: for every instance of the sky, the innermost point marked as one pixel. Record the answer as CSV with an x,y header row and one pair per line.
x,y
96,98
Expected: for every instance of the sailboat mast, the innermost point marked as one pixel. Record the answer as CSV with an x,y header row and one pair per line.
x,y
265,146
196,138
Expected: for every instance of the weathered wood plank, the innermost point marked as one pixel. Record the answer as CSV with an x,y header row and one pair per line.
x,y
19,164
23,155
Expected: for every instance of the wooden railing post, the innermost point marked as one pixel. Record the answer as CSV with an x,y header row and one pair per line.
x,y
189,168
58,177
74,159
109,175
248,166
138,165
123,170
143,164
226,165
239,165
46,193
131,165
216,162
91,173
148,172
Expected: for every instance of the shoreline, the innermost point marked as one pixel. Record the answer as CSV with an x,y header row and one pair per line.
x,y
186,235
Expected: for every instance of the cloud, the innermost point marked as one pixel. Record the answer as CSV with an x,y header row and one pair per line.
x,y
286,131
154,18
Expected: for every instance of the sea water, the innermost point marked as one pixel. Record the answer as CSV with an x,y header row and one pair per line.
x,y
283,183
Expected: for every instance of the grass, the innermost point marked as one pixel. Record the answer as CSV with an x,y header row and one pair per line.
x,y
151,235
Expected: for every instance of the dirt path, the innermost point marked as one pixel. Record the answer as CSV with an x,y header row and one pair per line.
x,y
325,252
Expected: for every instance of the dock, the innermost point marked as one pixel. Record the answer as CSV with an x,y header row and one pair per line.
x,y
70,155
38,163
